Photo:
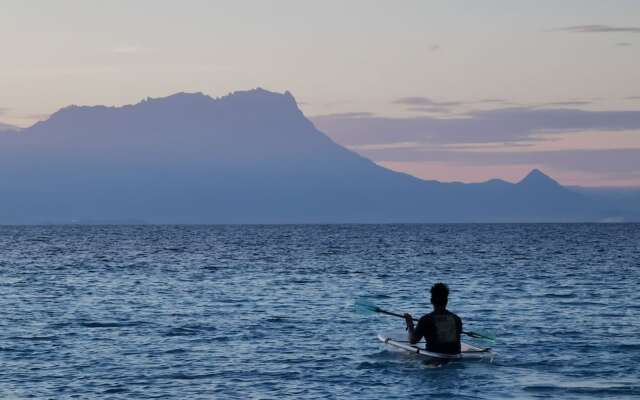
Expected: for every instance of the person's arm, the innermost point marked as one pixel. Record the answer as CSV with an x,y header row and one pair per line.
x,y
413,336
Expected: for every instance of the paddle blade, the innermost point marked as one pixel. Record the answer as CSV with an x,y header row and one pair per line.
x,y
363,306
481,335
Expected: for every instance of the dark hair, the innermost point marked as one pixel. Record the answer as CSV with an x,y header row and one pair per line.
x,y
439,294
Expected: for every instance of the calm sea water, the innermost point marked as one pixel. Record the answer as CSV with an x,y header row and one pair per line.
x,y
254,312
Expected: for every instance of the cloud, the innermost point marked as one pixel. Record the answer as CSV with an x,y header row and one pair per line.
x,y
428,105
345,115
566,103
434,109
598,29
623,44
633,98
619,161
491,101
514,124
516,136
424,101
434,47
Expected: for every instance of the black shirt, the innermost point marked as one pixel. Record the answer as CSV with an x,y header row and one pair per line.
x,y
441,330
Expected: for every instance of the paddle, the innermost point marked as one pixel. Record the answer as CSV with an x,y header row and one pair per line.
x,y
364,305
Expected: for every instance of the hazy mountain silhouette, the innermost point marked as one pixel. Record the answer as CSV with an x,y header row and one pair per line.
x,y
249,157
625,200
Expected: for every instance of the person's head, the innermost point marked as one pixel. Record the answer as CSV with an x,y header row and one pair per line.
x,y
439,295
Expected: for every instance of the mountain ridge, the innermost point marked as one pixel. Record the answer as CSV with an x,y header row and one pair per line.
x,y
250,156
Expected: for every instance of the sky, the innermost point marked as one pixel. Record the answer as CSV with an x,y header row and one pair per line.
x,y
450,90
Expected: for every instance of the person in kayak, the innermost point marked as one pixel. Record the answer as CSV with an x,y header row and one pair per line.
x,y
441,328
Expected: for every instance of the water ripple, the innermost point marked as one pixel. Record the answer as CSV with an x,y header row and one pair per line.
x,y
239,312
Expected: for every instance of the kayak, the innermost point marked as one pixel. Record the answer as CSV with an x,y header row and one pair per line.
x,y
469,352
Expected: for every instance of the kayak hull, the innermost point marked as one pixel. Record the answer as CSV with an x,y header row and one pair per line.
x,y
469,352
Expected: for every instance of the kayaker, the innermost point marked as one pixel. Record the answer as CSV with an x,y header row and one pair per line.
x,y
441,328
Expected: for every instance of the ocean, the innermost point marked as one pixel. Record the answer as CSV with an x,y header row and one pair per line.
x,y
265,312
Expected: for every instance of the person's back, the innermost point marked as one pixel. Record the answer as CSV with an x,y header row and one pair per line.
x,y
441,328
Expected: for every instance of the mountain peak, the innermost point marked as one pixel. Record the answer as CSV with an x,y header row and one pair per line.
x,y
538,178
260,95
251,94
184,95
256,100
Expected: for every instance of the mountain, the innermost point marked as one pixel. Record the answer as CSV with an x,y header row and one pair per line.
x,y
248,157
626,200
536,179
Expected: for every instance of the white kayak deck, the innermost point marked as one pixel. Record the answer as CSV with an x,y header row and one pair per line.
x,y
469,352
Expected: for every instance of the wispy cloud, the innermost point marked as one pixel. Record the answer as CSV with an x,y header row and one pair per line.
x,y
434,47
429,105
566,103
346,115
491,101
620,162
428,109
623,44
554,135
515,124
599,29
401,145
424,101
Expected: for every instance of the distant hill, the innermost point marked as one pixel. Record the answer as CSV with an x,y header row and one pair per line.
x,y
625,201
249,157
